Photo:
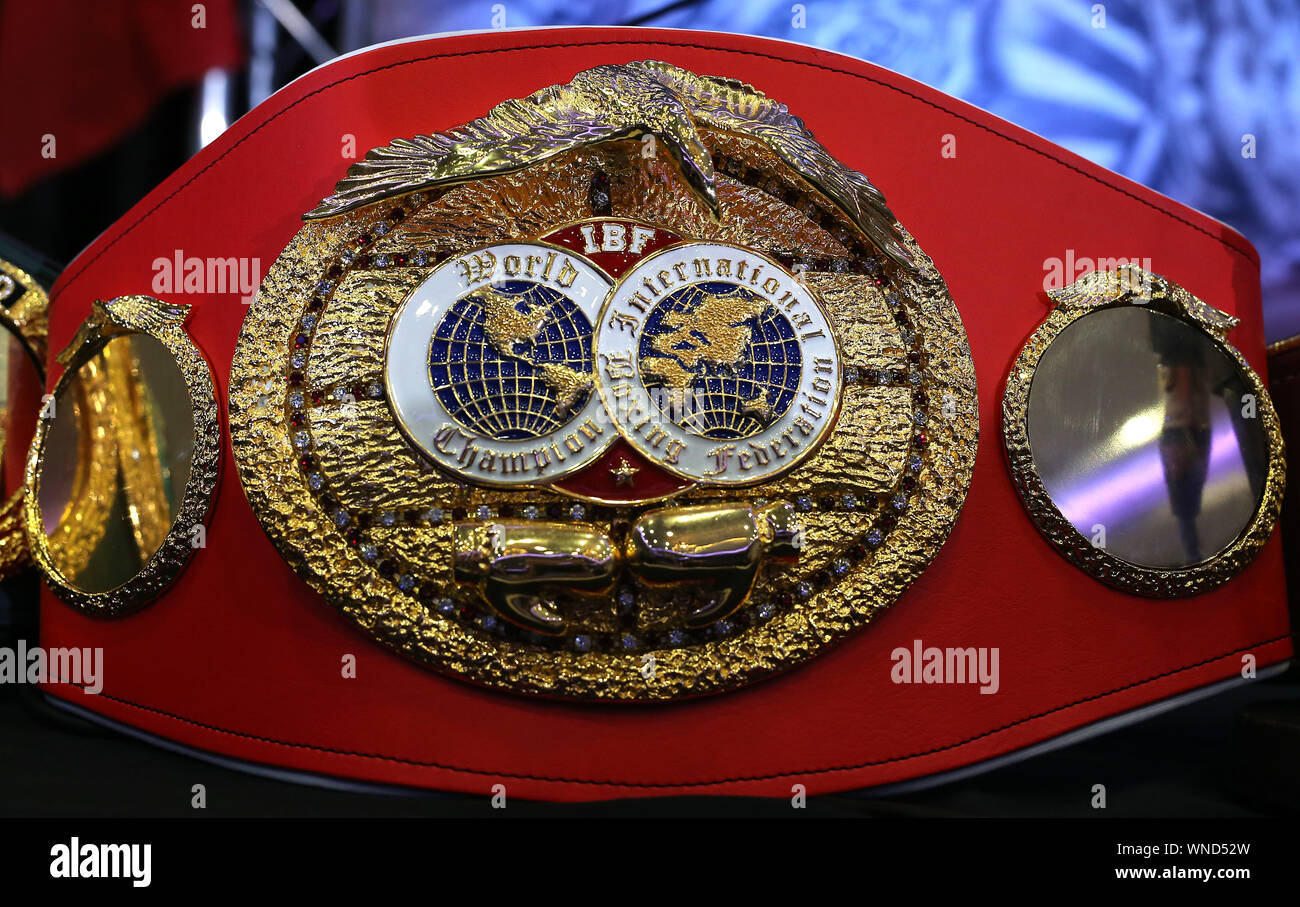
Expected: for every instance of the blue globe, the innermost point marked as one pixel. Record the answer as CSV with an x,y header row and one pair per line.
x,y
512,361
732,354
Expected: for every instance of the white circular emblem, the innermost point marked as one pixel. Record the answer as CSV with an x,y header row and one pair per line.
x,y
490,364
717,364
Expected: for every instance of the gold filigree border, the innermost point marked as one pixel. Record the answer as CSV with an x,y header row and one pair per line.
x,y
164,322
1130,285
28,320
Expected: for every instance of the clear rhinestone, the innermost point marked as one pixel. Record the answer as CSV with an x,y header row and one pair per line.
x,y
315,481
434,515
849,501
341,394
308,321
675,638
341,518
875,537
530,512
899,502
387,519
581,643
381,228
803,590
484,512
884,376
301,439
374,390
919,417
839,566
627,642
348,257
369,552
324,286
298,359
487,622
578,512
296,399
914,463
382,261
764,610
406,582
445,606
420,258
915,377
852,375
803,503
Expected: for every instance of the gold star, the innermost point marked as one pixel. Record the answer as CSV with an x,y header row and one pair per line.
x,y
624,474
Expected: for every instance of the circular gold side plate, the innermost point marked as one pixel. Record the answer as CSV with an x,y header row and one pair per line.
x,y
175,524
1132,286
373,526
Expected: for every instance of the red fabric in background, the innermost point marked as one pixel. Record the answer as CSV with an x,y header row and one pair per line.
x,y
87,72
241,658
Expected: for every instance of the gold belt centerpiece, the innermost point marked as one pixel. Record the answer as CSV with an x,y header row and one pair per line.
x,y
627,391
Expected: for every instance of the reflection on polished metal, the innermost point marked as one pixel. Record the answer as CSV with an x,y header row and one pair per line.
x,y
521,568
123,465
1142,427
24,313
1142,443
718,547
780,332
530,572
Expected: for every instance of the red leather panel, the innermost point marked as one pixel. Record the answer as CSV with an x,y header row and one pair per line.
x,y
242,659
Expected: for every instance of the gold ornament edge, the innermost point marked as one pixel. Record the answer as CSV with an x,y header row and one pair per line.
x,y
1130,285
164,322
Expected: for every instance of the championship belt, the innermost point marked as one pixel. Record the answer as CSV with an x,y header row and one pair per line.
x,y
601,431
